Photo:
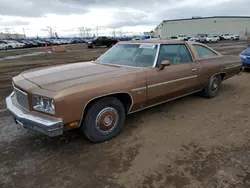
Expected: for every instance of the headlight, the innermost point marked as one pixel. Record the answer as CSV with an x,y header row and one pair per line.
x,y
243,56
43,104
89,42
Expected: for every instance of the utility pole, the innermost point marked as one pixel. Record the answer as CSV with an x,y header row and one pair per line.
x,y
97,31
114,32
82,29
50,31
24,34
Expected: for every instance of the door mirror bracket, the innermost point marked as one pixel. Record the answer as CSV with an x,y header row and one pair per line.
x,y
164,64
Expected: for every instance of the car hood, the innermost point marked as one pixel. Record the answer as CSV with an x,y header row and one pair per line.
x,y
246,52
57,78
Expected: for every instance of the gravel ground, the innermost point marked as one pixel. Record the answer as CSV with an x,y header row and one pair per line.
x,y
190,142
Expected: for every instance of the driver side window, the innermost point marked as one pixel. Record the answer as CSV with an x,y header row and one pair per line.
x,y
175,53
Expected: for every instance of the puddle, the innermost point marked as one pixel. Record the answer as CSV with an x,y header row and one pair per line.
x,y
23,55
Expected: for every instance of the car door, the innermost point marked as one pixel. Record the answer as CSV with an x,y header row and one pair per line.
x,y
180,78
99,41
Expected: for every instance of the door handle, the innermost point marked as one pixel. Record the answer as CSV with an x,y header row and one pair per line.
x,y
193,70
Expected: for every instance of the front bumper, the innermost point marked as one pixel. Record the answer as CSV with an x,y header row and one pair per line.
x,y
245,62
37,122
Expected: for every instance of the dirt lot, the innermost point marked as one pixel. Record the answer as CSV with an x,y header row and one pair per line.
x,y
190,142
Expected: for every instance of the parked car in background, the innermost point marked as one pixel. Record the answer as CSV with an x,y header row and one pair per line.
x,y
3,45
40,42
212,38
182,37
145,37
230,37
10,44
171,38
245,57
202,38
96,96
102,41
194,39
198,38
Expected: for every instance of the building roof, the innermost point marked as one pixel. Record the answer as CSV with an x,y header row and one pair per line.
x,y
211,17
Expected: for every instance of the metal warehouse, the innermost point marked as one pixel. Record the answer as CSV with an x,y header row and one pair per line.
x,y
218,25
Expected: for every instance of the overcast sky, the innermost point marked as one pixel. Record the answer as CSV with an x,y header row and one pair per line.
x,y
130,15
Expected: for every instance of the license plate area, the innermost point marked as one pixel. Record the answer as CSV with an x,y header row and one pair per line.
x,y
16,120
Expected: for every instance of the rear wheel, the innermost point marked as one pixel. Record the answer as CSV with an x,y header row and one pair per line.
x,y
104,119
212,89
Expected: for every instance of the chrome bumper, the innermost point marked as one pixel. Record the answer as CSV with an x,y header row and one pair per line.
x,y
50,127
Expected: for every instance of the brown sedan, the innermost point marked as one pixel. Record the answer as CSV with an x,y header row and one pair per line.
x,y
131,76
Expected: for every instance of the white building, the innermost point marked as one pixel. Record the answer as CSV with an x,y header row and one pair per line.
x,y
239,25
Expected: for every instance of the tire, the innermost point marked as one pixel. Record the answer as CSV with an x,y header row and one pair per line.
x,y
93,46
212,89
10,47
232,38
107,109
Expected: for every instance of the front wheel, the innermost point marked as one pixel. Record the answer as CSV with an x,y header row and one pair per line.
x,y
104,119
212,89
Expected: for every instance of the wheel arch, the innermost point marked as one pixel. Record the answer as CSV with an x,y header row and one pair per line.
x,y
125,97
221,74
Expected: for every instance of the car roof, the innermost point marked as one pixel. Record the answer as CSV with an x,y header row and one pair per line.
x,y
153,41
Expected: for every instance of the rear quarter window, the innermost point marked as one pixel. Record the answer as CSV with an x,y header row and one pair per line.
x,y
204,52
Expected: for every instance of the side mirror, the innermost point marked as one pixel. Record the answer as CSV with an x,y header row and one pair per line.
x,y
248,45
164,64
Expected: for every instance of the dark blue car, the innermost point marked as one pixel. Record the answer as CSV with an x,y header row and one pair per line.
x,y
245,57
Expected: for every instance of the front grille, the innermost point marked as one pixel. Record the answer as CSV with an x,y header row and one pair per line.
x,y
22,98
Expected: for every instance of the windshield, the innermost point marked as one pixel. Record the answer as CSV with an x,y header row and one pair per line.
x,y
137,55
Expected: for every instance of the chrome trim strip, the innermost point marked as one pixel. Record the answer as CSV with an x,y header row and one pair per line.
x,y
139,89
157,55
164,102
172,81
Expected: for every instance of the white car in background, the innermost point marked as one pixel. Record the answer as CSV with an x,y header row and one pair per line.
x,y
172,38
212,38
3,45
182,37
10,44
230,37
